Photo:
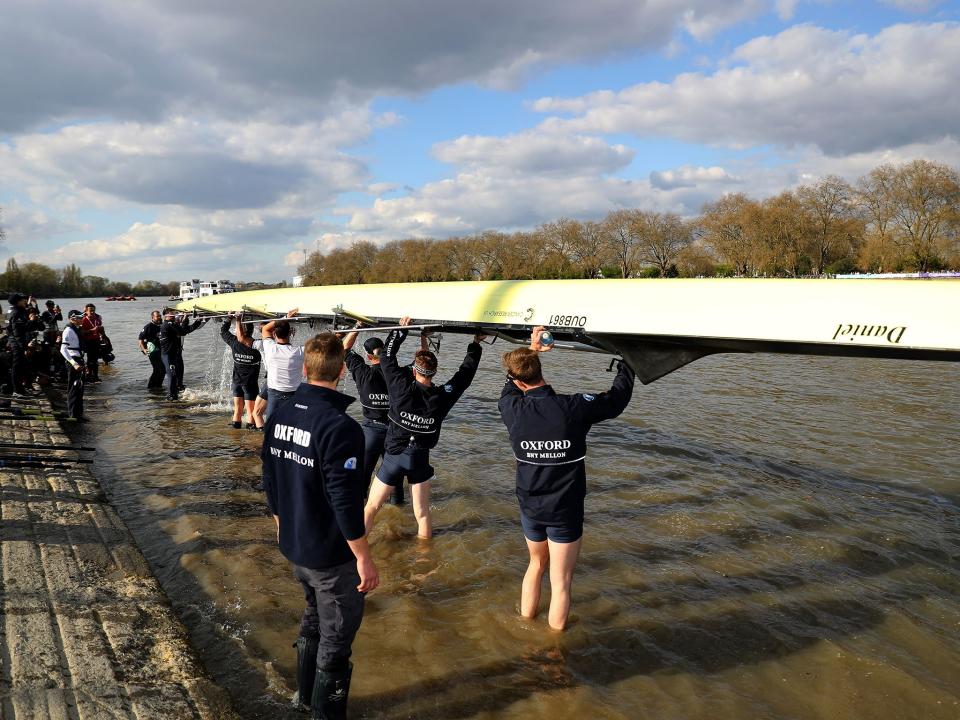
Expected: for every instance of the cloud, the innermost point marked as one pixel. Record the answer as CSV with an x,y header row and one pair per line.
x,y
25,226
840,92
190,163
534,153
288,60
162,252
689,176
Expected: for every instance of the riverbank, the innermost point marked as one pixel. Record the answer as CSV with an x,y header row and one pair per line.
x,y
86,631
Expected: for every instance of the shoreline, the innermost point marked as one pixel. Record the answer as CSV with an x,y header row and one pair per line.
x,y
87,630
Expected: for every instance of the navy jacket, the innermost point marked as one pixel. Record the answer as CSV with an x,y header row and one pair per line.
x,y
19,327
417,411
171,334
151,333
548,433
246,360
371,386
312,457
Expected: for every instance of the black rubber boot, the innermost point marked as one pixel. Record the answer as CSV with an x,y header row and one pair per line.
x,y
330,692
396,497
306,669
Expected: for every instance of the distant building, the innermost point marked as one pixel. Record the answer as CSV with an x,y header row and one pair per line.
x,y
215,287
193,289
297,281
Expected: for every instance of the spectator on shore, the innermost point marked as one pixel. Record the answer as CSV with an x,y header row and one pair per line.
x,y
91,329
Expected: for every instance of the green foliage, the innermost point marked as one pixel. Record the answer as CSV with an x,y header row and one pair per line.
x,y
723,270
842,266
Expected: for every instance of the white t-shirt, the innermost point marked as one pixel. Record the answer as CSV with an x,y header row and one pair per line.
x,y
284,365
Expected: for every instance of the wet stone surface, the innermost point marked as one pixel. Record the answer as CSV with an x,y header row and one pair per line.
x,y
85,630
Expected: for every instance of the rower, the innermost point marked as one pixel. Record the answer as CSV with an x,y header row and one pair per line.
x,y
171,348
417,409
284,362
246,371
375,401
549,437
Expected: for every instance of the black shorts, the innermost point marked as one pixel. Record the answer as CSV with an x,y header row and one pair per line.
x,y
413,464
247,389
561,532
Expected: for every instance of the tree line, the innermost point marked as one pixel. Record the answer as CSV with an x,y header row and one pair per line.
x,y
894,219
43,281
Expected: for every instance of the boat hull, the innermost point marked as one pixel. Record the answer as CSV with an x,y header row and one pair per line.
x,y
872,318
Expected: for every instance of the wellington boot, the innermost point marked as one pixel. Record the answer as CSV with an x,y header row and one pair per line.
x,y
330,692
306,670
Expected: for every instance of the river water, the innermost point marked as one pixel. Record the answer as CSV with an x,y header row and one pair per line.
x,y
766,537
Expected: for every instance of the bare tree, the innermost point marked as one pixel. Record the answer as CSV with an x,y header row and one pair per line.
x,y
836,230
729,226
619,229
926,211
660,238
590,249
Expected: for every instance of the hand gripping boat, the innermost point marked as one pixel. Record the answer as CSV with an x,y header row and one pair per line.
x,y
657,326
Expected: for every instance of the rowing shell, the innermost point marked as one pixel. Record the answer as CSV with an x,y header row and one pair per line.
x,y
656,325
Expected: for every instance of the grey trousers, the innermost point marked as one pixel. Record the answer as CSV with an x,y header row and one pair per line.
x,y
334,610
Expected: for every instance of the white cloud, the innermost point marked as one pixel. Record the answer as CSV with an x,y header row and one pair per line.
x,y
26,226
843,93
786,8
535,153
703,20
690,176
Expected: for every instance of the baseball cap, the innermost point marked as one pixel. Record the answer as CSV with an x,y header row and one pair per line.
x,y
373,345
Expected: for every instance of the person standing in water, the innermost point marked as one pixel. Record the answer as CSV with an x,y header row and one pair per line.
x,y
246,371
311,454
283,361
91,329
548,433
149,341
171,348
417,410
375,401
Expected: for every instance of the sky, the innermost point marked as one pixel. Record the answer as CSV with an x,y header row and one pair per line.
x,y
176,139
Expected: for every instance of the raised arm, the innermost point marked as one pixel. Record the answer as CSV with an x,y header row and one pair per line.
x,y
267,330
396,378
225,333
610,404
350,339
461,380
242,329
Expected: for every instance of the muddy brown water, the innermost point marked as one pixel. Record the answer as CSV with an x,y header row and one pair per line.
x,y
766,537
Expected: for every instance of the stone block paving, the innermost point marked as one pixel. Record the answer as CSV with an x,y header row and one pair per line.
x,y
85,632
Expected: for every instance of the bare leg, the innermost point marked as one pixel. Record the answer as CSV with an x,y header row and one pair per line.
x,y
420,493
259,409
379,492
563,558
530,589
250,404
237,409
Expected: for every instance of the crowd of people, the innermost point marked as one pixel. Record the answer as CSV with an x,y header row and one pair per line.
x,y
35,351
